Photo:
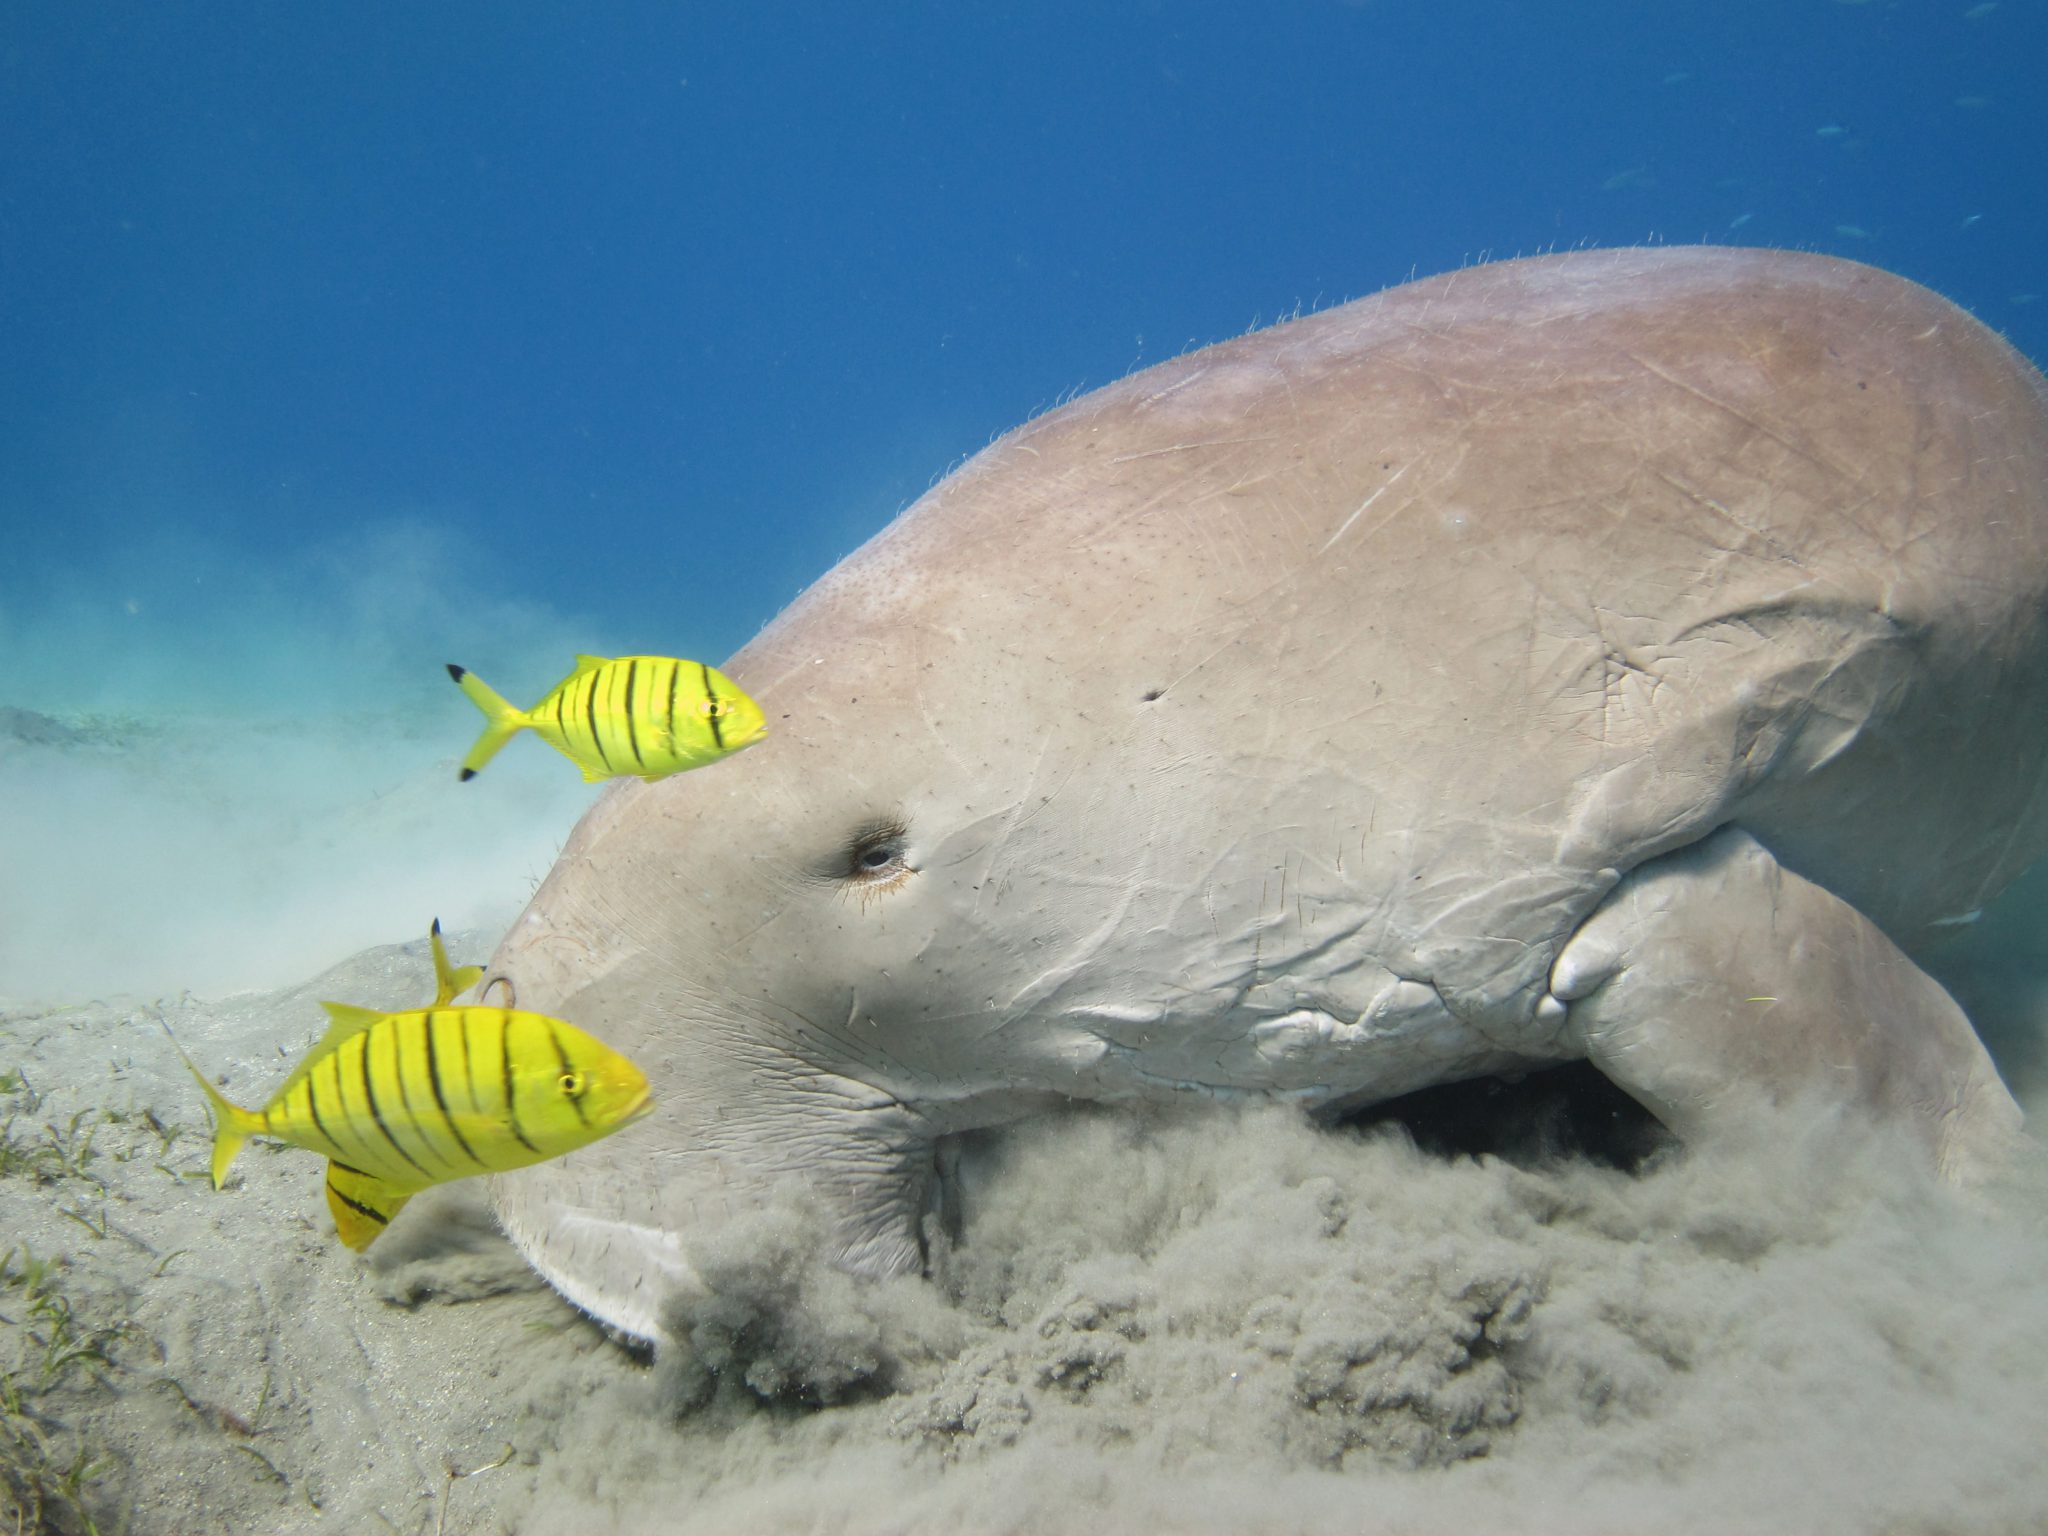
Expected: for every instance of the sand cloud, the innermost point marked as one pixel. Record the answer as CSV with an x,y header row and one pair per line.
x,y
224,773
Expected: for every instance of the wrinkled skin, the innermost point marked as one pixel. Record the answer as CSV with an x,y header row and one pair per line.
x,y
1629,655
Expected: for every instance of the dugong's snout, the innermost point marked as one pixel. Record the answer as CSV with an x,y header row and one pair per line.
x,y
606,1226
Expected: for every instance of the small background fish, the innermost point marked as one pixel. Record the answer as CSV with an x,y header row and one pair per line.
x,y
644,716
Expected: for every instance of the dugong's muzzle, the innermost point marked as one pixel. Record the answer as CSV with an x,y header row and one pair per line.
x,y
602,1225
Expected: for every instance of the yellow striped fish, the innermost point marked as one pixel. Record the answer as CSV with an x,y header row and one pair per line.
x,y
648,716
400,1101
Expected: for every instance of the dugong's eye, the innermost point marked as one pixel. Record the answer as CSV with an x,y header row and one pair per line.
x,y
876,859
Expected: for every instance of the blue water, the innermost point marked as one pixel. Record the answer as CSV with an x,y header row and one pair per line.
x,y
340,341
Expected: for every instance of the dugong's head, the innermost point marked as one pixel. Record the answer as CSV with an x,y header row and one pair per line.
x,y
965,872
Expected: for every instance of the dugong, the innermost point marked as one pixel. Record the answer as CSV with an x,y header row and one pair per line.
x,y
1635,656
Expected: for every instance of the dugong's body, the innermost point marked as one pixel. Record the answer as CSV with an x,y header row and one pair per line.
x,y
1629,655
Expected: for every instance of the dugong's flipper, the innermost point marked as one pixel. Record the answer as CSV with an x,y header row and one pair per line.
x,y
1714,978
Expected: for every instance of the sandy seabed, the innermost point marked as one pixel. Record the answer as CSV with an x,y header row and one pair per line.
x,y
1207,1321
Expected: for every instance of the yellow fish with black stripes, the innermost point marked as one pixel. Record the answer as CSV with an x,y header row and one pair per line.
x,y
400,1101
647,716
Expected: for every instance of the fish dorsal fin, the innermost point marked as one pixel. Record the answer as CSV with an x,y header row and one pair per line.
x,y
449,980
590,664
348,1022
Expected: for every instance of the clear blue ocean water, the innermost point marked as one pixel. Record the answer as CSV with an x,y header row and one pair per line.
x,y
340,342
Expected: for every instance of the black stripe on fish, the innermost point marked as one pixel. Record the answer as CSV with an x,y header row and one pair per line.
x,y
632,729
590,714
572,701
440,1098
570,693
675,681
575,1098
416,1119
377,1113
711,713
404,1093
511,1109
468,1068
313,1101
356,1205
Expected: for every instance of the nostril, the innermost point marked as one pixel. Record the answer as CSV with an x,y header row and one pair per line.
x,y
505,998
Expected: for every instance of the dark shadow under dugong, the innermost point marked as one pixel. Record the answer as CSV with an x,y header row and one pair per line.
x,y
1628,655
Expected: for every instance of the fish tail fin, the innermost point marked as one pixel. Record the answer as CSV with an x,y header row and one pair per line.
x,y
232,1124
502,720
362,1206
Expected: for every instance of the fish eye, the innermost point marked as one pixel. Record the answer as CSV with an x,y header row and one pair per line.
x,y
571,1082
716,709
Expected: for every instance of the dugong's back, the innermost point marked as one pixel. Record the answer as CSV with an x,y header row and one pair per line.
x,y
1569,559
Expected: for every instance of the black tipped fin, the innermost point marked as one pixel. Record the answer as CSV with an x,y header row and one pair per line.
x,y
465,776
458,673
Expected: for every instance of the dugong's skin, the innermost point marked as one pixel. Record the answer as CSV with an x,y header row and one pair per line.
x,y
1632,655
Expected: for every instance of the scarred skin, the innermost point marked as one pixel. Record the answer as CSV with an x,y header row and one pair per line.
x,y
1560,658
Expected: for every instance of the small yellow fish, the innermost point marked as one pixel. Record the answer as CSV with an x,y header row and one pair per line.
x,y
401,1101
648,716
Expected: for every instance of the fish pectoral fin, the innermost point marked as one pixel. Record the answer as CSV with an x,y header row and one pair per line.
x,y
362,1206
